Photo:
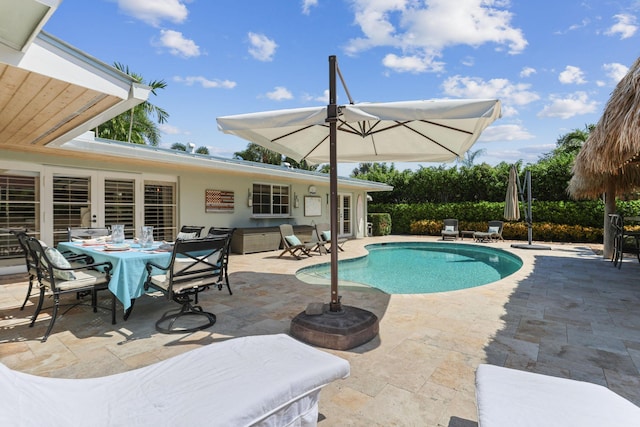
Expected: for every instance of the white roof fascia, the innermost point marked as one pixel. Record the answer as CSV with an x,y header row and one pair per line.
x,y
51,57
87,143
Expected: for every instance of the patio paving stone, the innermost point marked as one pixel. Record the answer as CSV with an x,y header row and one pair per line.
x,y
567,313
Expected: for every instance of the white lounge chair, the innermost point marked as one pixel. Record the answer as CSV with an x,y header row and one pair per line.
x,y
268,380
512,398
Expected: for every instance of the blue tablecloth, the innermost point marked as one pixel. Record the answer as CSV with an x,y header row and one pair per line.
x,y
128,273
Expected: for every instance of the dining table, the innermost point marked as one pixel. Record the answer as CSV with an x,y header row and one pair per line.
x,y
129,261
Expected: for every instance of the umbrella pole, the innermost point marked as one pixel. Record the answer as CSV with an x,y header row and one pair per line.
x,y
332,119
529,212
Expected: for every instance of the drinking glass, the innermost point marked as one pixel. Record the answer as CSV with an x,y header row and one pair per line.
x,y
117,233
146,239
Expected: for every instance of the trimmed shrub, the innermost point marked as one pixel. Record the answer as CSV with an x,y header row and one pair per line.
x,y
380,223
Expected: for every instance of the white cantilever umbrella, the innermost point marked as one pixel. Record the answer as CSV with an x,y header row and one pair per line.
x,y
411,131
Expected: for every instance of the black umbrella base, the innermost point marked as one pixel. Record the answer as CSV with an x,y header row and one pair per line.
x,y
531,246
340,330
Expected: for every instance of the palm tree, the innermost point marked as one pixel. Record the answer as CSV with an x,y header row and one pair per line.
x,y
136,125
470,157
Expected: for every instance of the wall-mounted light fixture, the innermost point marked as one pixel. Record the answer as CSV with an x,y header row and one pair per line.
x,y
312,189
296,201
249,198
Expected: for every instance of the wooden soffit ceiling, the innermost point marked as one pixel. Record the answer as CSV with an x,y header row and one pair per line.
x,y
37,109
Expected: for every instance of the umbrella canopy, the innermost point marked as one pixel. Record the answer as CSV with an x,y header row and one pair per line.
x,y
410,131
511,205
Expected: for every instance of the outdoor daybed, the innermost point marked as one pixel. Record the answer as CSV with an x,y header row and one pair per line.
x,y
512,398
268,380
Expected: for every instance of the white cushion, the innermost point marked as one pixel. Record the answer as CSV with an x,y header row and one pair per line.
x,y
270,380
326,235
58,260
513,398
186,236
82,279
448,228
293,240
494,229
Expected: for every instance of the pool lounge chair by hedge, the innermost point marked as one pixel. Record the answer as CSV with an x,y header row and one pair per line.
x,y
450,229
510,397
293,245
493,233
263,380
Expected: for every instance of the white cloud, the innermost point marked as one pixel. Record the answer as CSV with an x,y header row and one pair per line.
x,y
279,93
566,107
156,11
323,99
571,75
307,5
262,47
625,26
511,94
168,129
412,64
204,82
615,71
177,44
422,30
527,71
510,132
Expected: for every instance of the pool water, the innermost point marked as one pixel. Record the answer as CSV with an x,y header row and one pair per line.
x,y
420,267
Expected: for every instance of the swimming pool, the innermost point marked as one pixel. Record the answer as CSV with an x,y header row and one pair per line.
x,y
420,267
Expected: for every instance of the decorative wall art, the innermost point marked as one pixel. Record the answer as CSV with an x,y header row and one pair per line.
x,y
218,201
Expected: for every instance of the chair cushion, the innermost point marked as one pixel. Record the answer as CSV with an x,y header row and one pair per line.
x,y
326,235
186,236
83,279
162,281
293,240
448,228
60,261
494,229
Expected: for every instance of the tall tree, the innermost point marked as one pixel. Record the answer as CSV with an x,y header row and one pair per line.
x,y
257,153
470,157
136,125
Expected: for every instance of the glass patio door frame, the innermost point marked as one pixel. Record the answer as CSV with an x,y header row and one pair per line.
x,y
96,198
345,214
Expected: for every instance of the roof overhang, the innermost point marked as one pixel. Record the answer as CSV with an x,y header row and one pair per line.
x,y
92,147
51,92
21,21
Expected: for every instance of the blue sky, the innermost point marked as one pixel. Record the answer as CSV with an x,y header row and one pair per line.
x,y
553,64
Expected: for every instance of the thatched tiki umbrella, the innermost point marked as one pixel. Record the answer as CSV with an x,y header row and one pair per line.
x,y
609,160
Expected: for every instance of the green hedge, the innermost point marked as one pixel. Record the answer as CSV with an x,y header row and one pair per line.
x,y
380,223
570,221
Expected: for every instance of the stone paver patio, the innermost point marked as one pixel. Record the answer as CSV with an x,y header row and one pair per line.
x,y
567,313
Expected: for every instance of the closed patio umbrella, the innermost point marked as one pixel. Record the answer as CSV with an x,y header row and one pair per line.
x,y
431,131
511,205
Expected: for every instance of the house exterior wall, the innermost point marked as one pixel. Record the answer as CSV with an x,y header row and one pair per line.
x,y
191,187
